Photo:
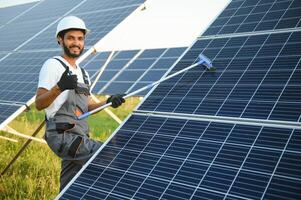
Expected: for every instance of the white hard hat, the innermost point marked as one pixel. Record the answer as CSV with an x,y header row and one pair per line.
x,y
70,22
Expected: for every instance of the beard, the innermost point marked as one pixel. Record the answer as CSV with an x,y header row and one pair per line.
x,y
68,52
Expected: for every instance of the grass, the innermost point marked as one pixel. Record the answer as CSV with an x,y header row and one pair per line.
x,y
35,175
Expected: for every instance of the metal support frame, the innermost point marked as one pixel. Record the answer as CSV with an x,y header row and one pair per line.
x,y
22,148
8,139
14,132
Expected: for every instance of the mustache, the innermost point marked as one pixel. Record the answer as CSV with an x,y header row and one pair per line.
x,y
74,46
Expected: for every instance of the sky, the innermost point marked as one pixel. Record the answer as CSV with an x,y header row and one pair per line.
x,y
162,24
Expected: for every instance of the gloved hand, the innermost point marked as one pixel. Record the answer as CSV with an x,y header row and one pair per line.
x,y
67,81
116,100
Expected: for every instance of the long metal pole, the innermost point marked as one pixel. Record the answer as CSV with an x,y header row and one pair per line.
x,y
202,60
85,115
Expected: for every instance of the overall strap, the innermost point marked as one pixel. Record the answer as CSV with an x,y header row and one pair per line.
x,y
85,77
86,80
64,65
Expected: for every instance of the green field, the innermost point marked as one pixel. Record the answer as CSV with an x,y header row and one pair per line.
x,y
35,175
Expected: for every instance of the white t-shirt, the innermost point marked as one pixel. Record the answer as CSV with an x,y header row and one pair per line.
x,y
50,74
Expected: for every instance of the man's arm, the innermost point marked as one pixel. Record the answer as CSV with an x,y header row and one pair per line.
x,y
93,104
116,101
45,97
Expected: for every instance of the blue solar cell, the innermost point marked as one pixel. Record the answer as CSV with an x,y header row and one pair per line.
x,y
249,185
126,54
153,75
116,64
107,75
283,187
280,5
262,160
286,111
202,194
235,5
289,165
117,87
262,8
151,53
7,110
236,20
231,155
240,12
164,63
218,178
141,64
174,52
288,23
129,75
250,3
137,86
177,191
151,189
191,173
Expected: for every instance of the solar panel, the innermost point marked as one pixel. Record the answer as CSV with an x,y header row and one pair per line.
x,y
94,5
16,33
9,13
165,158
257,77
131,73
32,22
19,73
7,109
258,15
100,23
41,11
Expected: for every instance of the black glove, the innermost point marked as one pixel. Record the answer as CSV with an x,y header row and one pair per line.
x,y
67,81
116,100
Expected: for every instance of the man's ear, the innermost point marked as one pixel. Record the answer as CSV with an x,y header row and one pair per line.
x,y
59,40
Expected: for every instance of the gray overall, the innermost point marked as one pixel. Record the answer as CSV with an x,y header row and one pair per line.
x,y
68,137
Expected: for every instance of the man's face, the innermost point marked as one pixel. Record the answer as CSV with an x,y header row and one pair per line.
x,y
73,43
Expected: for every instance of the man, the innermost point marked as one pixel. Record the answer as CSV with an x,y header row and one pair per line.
x,y
64,93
